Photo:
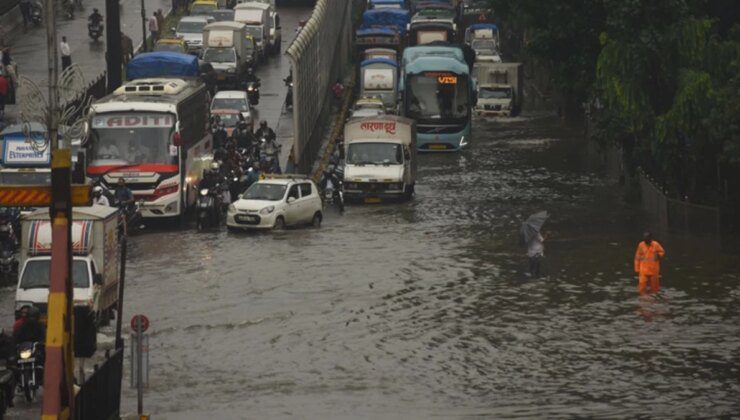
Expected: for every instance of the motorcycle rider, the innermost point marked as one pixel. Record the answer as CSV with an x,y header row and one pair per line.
x,y
98,197
211,177
265,132
124,197
219,132
252,78
32,330
95,18
253,175
243,135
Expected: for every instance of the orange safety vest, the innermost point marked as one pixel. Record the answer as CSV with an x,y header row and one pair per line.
x,y
647,258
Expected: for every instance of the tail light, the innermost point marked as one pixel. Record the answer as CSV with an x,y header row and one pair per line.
x,y
177,139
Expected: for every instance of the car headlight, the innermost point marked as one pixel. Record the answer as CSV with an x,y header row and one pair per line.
x,y
267,210
232,208
204,191
250,89
25,354
396,186
230,70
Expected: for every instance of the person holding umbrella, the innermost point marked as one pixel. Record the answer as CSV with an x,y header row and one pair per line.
x,y
535,241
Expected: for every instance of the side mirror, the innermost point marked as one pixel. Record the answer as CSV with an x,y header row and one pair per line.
x,y
290,200
98,279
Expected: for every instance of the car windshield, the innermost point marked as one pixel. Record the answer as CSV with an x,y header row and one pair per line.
x,y
495,93
484,45
230,103
132,139
36,274
229,120
191,27
168,46
202,9
375,154
438,97
220,55
255,32
25,178
264,191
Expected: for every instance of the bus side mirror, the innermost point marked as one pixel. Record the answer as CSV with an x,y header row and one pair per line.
x,y
98,279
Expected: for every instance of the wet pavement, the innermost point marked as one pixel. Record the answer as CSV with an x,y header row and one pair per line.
x,y
423,309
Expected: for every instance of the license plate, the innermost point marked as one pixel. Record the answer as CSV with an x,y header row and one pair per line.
x,y
437,146
372,200
246,218
221,77
29,360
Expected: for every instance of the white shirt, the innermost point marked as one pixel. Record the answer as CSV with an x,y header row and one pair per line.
x,y
65,49
536,247
101,201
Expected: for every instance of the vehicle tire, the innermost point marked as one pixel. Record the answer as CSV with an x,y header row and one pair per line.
x,y
27,393
200,225
316,221
409,192
279,223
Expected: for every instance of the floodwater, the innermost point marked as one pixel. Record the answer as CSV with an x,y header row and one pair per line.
x,y
423,309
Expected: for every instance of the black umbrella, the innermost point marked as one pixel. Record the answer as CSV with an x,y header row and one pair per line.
x,y
532,226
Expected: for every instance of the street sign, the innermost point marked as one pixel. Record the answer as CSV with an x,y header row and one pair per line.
x,y
40,195
144,323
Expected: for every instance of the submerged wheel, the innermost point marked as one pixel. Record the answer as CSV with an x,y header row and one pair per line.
x,y
316,221
279,223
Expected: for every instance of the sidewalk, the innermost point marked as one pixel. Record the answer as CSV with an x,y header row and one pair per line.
x,y
28,47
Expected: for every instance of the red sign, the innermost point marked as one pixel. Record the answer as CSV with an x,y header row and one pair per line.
x,y
144,322
373,126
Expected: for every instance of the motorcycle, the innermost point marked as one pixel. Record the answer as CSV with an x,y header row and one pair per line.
x,y
69,9
36,13
289,97
333,184
253,93
132,217
269,153
95,30
208,206
30,365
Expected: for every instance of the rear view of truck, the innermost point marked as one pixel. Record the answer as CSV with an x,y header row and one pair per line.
x,y
500,88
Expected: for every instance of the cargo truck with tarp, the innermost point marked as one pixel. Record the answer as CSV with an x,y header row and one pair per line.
x,y
96,266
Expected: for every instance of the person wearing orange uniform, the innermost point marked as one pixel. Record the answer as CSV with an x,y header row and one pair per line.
x,y
647,263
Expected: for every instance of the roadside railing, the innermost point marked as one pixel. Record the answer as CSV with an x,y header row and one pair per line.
x,y
100,396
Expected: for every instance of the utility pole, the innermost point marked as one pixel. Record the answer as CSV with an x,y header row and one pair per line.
x,y
143,26
114,49
59,366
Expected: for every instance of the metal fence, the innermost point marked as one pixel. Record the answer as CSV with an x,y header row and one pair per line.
x,y
100,396
318,55
679,215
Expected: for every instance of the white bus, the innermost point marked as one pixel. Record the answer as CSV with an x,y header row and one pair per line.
x,y
153,134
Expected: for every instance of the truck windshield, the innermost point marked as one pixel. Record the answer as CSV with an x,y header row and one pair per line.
x,y
202,9
495,93
484,46
262,191
132,139
25,178
192,27
437,97
36,274
375,154
220,55
169,46
255,32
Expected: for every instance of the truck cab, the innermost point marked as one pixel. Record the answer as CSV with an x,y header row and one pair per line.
x,y
256,16
495,99
381,158
226,50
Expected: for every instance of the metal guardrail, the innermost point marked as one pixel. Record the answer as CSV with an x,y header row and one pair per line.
x,y
100,396
318,55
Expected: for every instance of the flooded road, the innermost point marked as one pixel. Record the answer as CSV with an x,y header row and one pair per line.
x,y
423,309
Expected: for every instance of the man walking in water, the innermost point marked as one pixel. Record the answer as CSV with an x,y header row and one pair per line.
x,y
647,263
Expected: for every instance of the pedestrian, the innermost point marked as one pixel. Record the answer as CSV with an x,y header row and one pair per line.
x,y
160,21
154,27
25,6
127,48
647,263
536,252
4,88
66,53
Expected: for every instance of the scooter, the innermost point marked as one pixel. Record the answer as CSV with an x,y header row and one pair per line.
x,y
208,206
36,13
30,368
333,185
269,156
95,30
253,93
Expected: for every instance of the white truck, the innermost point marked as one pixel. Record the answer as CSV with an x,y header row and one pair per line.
x,y
95,262
276,32
500,88
227,51
381,158
257,18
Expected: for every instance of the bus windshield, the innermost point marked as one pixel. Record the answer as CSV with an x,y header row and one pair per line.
x,y
36,274
375,154
439,96
132,139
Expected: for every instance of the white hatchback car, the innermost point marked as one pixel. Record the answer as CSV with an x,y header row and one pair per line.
x,y
233,99
275,203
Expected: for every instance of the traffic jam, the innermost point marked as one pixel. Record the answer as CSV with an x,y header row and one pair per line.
x,y
179,141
